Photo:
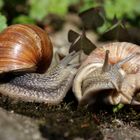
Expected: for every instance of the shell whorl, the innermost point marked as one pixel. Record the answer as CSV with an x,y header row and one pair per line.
x,y
24,47
118,51
94,62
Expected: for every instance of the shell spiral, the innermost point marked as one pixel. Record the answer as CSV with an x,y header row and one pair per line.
x,y
118,52
24,47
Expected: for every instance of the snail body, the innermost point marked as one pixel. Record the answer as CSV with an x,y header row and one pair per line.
x,y
27,48
111,71
50,87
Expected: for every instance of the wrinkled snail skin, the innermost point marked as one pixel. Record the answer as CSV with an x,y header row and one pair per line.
x,y
27,48
115,76
50,87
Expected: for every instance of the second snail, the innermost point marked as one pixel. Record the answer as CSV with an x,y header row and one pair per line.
x,y
111,71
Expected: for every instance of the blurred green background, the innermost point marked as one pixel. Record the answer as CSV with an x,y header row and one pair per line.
x,y
34,11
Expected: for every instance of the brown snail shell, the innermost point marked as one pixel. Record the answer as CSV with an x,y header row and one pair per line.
x,y
119,83
24,47
27,48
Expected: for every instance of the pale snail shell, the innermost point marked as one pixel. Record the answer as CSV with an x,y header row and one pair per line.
x,y
119,83
25,47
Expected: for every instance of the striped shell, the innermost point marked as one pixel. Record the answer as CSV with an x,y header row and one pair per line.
x,y
24,47
129,71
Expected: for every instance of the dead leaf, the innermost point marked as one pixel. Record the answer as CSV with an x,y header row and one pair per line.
x,y
80,42
92,18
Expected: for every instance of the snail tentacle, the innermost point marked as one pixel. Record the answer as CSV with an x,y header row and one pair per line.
x,y
112,71
106,66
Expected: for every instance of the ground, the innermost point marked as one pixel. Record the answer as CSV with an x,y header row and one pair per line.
x,y
34,121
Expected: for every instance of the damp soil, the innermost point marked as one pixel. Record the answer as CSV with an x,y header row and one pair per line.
x,y
66,121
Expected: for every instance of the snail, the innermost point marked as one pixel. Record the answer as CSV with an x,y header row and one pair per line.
x,y
24,47
27,50
111,74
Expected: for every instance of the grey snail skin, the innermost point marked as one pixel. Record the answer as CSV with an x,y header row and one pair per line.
x,y
111,71
27,48
50,87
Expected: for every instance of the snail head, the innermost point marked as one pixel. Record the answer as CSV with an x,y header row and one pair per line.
x,y
104,82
